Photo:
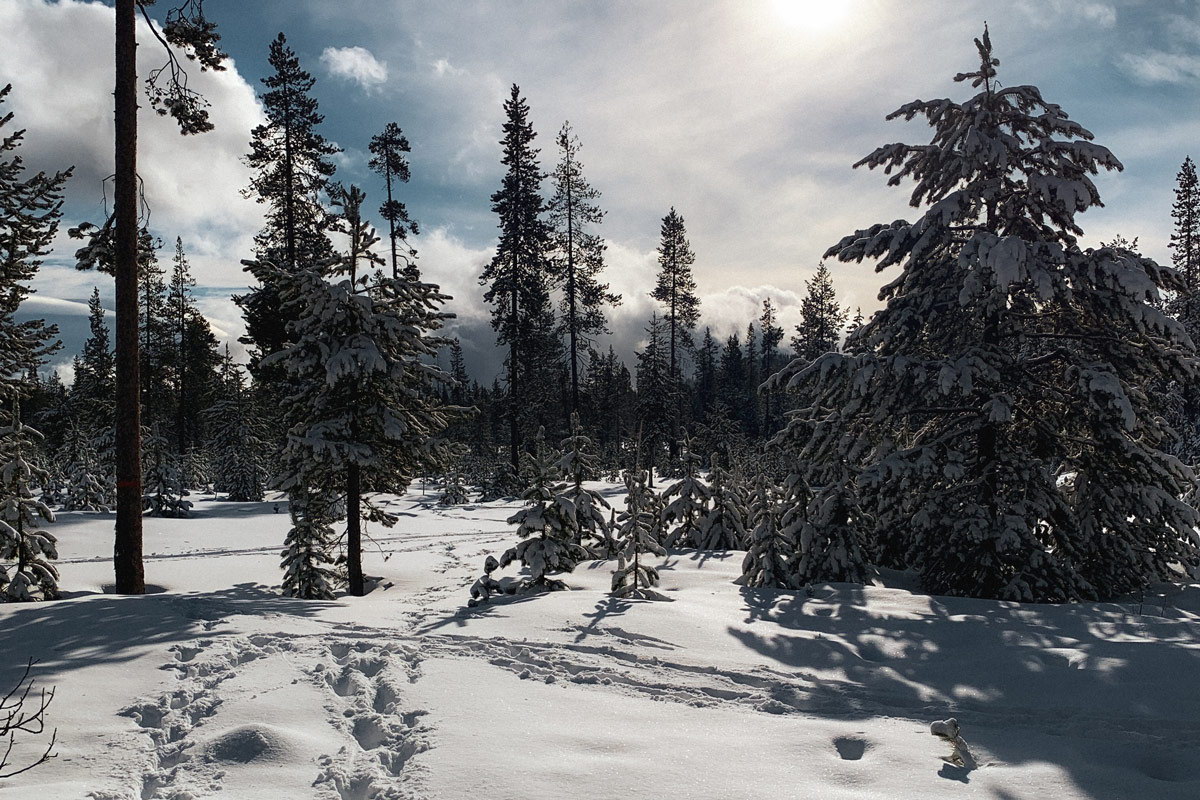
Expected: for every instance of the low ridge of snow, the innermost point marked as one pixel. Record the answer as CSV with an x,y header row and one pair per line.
x,y
213,685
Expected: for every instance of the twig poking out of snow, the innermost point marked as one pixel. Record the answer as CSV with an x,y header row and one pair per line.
x,y
948,730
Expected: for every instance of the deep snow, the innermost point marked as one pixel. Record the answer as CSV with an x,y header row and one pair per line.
x,y
215,686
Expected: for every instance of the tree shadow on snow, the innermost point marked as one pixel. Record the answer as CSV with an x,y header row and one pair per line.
x,y
92,629
1077,686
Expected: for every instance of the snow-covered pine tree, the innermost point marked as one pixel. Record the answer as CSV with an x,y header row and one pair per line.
x,y
32,576
636,541
163,487
364,408
236,438
579,463
547,525
310,571
723,527
768,561
685,501
1006,358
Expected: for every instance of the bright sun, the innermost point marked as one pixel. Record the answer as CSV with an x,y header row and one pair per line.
x,y
816,15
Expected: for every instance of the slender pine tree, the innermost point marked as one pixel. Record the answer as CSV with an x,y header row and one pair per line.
x,y
292,167
389,159
676,290
578,257
518,275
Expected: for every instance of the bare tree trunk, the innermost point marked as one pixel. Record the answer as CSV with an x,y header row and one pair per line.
x,y
354,531
127,547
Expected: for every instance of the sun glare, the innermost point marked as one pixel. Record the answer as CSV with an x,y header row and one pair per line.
x,y
816,15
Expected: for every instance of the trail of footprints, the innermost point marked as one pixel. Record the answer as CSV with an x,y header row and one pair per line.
x,y
362,680
367,681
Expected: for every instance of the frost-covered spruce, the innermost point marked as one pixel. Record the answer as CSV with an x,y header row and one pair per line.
x,y
579,463
309,568
636,541
1007,357
499,482
236,438
54,484
87,489
31,576
768,561
685,502
828,546
163,486
364,410
723,527
547,526
454,493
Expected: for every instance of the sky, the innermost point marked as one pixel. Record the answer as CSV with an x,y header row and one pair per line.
x,y
745,115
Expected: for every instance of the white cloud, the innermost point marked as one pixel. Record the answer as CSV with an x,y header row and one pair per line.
x,y
1157,66
1043,12
61,69
356,64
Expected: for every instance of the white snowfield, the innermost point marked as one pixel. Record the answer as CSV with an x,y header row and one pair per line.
x,y
215,686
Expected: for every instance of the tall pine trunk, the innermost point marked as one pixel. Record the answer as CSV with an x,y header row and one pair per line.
x,y
514,439
127,545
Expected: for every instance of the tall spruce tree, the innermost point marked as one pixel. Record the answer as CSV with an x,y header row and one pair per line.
x,y
996,404
822,319
196,354
92,392
236,437
769,360
676,290
517,276
655,398
578,256
1185,239
292,168
159,364
389,159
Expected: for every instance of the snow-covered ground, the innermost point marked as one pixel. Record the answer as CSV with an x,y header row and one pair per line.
x,y
215,686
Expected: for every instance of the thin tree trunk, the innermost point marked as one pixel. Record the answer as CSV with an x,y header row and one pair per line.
x,y
391,221
127,545
354,531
